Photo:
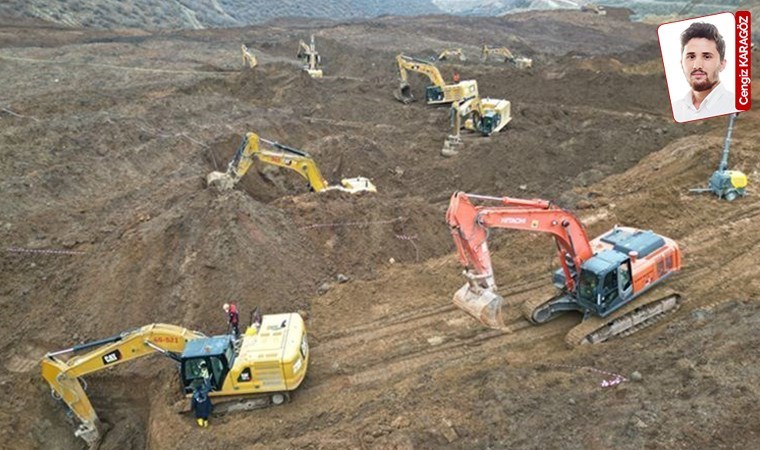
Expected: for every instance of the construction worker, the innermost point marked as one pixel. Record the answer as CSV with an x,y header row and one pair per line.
x,y
233,319
201,404
456,77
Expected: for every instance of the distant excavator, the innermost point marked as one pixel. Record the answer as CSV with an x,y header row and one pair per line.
x,y
311,59
249,60
259,370
437,93
605,279
594,8
286,157
484,115
505,55
452,53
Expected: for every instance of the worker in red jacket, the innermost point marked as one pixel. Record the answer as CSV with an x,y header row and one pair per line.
x,y
233,318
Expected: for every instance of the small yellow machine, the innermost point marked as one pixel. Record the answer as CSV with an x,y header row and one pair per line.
x,y
258,370
249,60
312,60
594,8
505,55
439,92
484,115
452,53
287,157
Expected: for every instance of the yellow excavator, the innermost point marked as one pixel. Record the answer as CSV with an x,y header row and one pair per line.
x,y
312,60
594,8
249,60
258,370
437,93
284,156
452,53
505,55
484,115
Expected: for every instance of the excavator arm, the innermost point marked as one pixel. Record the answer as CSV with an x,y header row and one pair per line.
x,y
422,67
287,157
469,226
503,52
63,375
284,156
249,60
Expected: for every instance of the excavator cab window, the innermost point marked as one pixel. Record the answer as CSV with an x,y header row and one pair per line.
x,y
609,289
587,286
624,276
196,371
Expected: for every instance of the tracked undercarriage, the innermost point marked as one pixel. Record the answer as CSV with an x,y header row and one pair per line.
x,y
226,404
638,314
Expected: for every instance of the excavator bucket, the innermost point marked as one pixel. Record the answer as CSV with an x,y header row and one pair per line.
x,y
484,305
404,93
220,180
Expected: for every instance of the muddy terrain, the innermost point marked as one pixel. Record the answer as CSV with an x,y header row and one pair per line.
x,y
107,137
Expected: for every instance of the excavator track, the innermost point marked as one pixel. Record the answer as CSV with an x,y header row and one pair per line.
x,y
227,404
633,317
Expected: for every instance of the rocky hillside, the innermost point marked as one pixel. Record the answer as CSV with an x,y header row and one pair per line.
x,y
198,14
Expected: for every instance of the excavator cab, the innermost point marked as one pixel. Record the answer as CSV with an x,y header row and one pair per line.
x,y
207,359
433,94
605,283
606,279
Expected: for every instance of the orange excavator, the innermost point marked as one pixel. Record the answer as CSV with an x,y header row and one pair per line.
x,y
605,279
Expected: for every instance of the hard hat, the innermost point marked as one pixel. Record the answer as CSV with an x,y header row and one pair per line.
x,y
202,363
226,307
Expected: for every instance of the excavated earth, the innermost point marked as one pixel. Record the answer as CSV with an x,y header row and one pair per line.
x,y
107,225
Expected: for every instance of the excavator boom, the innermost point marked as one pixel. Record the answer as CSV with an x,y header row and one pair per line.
x,y
249,60
283,156
505,55
63,376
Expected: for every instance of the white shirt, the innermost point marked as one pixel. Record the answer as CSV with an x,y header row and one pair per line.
x,y
720,101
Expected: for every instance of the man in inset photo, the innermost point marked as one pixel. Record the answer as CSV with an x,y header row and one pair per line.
x,y
697,55
703,58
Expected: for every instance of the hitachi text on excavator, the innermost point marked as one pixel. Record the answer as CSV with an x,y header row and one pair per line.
x,y
607,279
286,157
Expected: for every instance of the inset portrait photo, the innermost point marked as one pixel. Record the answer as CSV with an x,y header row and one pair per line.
x,y
698,56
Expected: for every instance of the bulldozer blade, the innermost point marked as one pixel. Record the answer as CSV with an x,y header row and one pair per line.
x,y
220,180
484,305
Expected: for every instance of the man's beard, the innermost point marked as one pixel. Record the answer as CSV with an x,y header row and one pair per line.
x,y
705,85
